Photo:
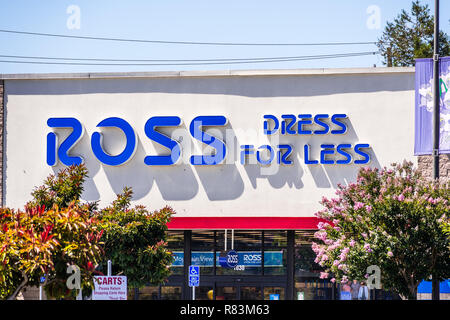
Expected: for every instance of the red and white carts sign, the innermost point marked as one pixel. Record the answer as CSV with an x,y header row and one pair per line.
x,y
110,288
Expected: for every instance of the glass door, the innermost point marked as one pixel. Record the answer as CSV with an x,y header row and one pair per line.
x,y
250,292
226,292
274,293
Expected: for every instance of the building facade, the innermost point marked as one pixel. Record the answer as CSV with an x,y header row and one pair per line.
x,y
243,157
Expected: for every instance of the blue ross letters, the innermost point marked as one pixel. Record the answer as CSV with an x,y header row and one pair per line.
x,y
197,133
126,154
173,146
67,144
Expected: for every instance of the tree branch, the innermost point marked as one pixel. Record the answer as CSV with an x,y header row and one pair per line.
x,y
20,287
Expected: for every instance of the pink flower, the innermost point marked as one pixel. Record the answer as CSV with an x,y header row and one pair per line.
x,y
352,243
390,254
401,197
368,208
323,275
333,280
358,205
367,247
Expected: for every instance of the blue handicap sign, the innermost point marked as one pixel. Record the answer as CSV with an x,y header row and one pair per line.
x,y
194,281
194,270
194,276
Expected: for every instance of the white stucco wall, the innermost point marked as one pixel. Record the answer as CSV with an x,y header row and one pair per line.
x,y
379,105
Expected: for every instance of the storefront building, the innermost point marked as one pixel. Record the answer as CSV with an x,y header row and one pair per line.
x,y
243,157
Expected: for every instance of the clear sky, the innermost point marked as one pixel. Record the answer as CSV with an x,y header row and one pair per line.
x,y
289,21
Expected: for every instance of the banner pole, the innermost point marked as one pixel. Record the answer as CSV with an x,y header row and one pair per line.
x,y
436,119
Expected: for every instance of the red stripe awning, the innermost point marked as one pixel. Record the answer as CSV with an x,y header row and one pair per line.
x,y
247,223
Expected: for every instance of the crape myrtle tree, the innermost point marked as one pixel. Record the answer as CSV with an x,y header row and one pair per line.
x,y
391,218
57,230
446,226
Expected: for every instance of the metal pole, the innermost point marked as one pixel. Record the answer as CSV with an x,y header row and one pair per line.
x,y
80,295
109,267
193,293
232,239
436,119
225,246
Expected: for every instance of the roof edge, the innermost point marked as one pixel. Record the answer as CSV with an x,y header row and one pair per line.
x,y
205,74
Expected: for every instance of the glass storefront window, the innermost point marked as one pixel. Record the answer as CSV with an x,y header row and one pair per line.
x,y
243,239
273,293
226,293
275,252
308,286
248,246
204,293
170,293
313,289
175,243
149,293
131,294
275,239
250,293
203,259
250,263
175,239
275,262
304,262
202,254
304,255
202,240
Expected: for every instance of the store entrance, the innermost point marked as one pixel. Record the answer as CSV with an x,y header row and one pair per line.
x,y
236,290
246,292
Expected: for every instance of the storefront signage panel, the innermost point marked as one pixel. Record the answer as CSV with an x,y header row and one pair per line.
x,y
201,144
246,258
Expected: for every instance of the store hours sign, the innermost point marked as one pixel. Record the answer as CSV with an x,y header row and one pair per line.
x,y
302,126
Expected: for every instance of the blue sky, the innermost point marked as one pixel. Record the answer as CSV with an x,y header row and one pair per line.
x,y
300,21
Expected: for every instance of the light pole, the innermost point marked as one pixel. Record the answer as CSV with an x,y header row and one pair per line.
x,y
436,119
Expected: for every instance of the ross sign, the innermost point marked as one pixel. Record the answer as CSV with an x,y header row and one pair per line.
x,y
194,276
423,142
110,288
301,126
229,260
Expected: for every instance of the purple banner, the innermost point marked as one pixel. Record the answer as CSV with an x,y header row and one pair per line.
x,y
423,143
